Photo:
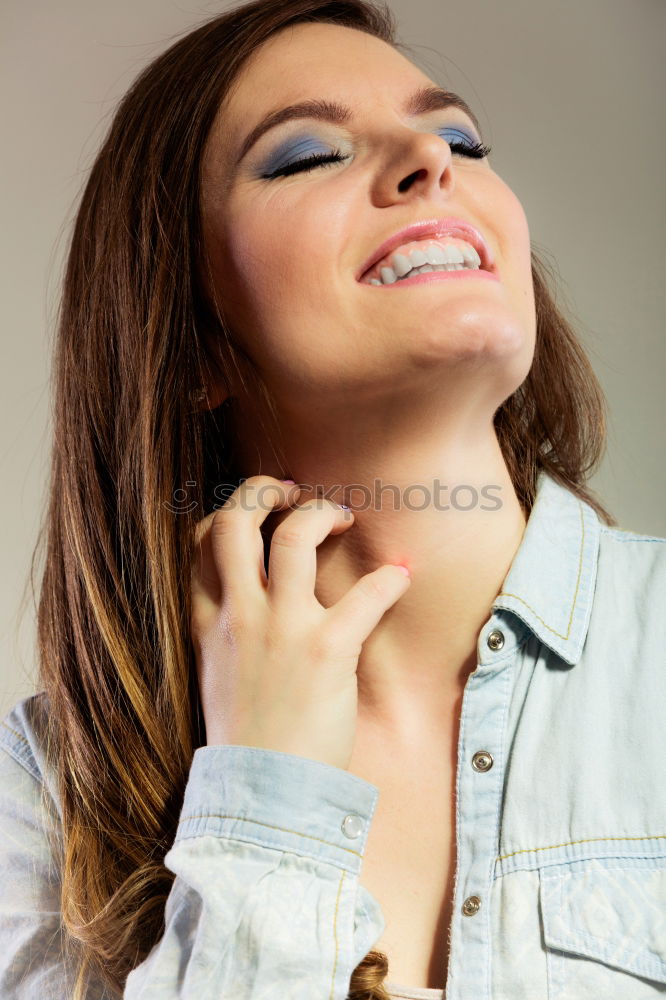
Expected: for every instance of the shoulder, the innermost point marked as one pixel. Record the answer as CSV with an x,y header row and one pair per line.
x,y
23,734
621,536
628,621
633,562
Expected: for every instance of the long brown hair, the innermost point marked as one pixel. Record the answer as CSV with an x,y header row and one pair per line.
x,y
132,349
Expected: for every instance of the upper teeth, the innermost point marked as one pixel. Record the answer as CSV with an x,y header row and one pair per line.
x,y
430,257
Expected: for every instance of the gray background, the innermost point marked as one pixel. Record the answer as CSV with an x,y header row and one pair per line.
x,y
569,93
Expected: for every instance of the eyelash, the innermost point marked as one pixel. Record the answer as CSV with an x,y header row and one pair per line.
x,y
476,151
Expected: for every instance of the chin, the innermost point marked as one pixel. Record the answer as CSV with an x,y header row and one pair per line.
x,y
475,339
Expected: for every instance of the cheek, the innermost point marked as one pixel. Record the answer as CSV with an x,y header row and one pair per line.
x,y
516,247
273,273
278,265
516,259
275,257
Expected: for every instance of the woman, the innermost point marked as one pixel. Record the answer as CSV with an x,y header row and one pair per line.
x,y
265,761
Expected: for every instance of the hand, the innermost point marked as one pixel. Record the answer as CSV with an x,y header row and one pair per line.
x,y
275,668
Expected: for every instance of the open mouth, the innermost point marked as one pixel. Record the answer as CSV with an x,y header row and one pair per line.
x,y
444,256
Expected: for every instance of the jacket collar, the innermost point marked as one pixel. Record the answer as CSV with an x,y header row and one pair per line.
x,y
550,585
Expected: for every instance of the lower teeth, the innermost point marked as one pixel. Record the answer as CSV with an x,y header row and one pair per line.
x,y
425,268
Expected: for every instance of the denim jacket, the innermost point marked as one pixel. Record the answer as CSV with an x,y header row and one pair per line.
x,y
560,884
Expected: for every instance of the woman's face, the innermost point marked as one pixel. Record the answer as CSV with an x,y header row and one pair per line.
x,y
287,246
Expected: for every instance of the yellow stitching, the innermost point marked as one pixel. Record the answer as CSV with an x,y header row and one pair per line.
x,y
282,829
18,735
517,597
335,934
588,840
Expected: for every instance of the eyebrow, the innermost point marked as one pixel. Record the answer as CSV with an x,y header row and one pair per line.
x,y
425,99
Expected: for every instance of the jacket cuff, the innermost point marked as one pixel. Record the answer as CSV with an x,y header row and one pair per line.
x,y
278,800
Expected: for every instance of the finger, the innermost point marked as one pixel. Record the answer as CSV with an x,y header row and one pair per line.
x,y
234,534
361,609
205,585
292,570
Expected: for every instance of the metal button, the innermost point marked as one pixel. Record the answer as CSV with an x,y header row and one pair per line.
x,y
482,760
496,639
471,906
352,826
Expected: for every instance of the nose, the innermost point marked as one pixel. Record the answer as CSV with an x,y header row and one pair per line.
x,y
417,165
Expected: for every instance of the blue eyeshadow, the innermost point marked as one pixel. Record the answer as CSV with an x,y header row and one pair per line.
x,y
293,150
296,148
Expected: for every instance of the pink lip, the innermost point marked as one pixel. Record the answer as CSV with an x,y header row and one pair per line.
x,y
434,228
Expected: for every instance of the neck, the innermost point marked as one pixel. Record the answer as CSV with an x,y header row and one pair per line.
x,y
447,509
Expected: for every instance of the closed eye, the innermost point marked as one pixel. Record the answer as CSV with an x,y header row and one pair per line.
x,y
476,151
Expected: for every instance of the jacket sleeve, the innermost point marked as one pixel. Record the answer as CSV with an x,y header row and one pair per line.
x,y
32,959
265,903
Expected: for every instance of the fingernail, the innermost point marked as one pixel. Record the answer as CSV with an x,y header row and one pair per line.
x,y
403,569
287,481
343,506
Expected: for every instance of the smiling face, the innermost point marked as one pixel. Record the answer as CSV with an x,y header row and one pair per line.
x,y
287,245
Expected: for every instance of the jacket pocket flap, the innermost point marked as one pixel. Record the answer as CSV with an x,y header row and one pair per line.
x,y
609,910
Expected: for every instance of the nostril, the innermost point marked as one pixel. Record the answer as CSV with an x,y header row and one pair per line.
x,y
406,183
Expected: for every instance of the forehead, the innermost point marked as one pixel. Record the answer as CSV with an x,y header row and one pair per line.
x,y
316,60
